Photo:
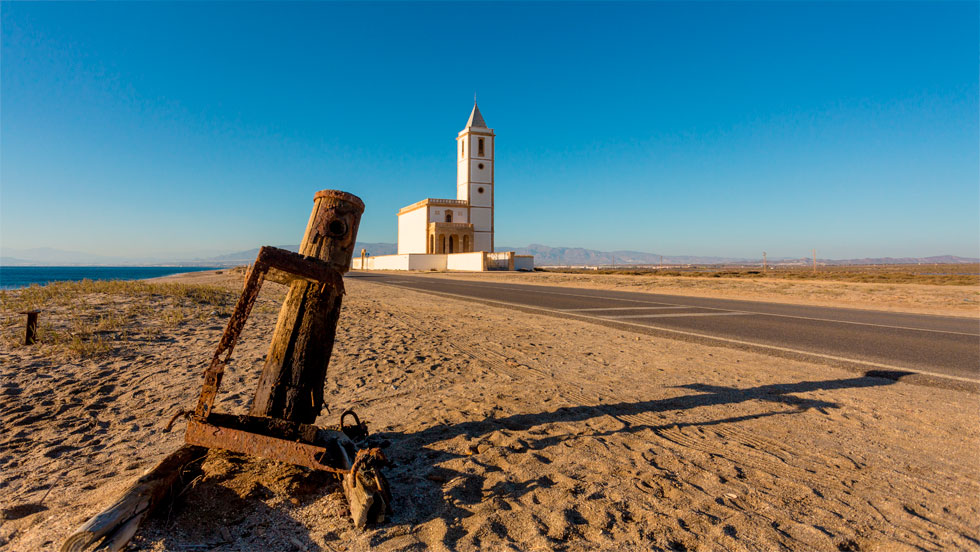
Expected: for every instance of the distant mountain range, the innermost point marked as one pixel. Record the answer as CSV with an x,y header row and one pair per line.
x,y
543,256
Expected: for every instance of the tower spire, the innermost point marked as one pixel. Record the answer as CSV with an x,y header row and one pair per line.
x,y
476,119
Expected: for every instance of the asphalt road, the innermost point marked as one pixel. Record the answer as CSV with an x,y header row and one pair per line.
x,y
942,347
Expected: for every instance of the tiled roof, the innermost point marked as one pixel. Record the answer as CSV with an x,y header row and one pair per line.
x,y
476,119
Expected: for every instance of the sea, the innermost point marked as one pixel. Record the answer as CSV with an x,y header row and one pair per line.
x,y
12,277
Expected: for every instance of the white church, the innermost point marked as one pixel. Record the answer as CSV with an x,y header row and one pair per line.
x,y
454,234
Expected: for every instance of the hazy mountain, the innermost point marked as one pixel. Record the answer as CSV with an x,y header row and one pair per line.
x,y
543,256
53,257
247,256
576,256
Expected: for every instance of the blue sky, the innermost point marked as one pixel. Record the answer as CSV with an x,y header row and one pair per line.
x,y
673,128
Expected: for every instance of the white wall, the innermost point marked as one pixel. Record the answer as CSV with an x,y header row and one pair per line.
x,y
523,262
438,214
411,231
487,146
481,199
402,262
480,217
481,241
457,261
382,262
483,175
427,262
465,261
461,164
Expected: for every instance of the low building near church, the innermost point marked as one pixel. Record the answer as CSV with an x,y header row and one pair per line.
x,y
454,234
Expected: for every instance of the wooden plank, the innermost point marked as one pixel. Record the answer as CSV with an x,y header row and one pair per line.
x,y
116,524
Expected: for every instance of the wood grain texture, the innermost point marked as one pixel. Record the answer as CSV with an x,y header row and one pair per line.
x,y
115,525
291,384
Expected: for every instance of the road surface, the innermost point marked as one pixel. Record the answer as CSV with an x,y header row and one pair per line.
x,y
943,347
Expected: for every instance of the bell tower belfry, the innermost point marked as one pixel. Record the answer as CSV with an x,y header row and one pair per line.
x,y
474,177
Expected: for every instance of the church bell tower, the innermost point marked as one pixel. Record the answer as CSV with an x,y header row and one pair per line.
x,y
474,177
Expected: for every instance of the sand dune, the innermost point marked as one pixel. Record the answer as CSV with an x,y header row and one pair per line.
x,y
508,431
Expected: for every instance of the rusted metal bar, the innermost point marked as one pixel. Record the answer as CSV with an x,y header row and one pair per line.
x,y
255,444
212,376
286,267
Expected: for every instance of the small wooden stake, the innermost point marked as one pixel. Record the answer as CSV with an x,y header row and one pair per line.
x,y
30,336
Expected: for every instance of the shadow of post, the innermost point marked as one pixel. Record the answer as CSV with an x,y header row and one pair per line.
x,y
415,495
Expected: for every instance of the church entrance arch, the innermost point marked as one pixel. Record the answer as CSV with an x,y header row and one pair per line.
x,y
432,243
451,244
442,243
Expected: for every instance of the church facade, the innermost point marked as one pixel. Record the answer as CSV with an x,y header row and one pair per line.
x,y
454,234
464,224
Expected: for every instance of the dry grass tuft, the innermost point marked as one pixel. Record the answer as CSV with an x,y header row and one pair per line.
x,y
76,322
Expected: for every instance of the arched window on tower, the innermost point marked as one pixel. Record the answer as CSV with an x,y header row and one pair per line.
x,y
449,215
462,148
480,147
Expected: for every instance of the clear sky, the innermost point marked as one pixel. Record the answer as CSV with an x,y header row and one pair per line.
x,y
726,129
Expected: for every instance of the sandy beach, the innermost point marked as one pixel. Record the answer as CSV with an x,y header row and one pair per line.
x,y
508,431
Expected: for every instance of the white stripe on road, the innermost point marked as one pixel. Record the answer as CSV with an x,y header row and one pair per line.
x,y
673,314
485,286
693,334
624,308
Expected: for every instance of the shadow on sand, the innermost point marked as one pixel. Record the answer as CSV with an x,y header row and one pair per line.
x,y
414,456
211,507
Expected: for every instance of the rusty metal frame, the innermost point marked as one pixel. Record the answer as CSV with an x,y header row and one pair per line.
x,y
249,434
278,265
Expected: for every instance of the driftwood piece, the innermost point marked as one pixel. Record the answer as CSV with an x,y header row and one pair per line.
x,y
291,384
366,488
117,524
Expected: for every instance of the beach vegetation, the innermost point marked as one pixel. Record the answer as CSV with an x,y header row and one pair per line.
x,y
92,318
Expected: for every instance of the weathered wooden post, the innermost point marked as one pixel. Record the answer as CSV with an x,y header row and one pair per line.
x,y
290,392
291,384
30,335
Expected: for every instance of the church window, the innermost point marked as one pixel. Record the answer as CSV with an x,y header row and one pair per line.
x,y
462,149
479,190
449,216
480,148
480,166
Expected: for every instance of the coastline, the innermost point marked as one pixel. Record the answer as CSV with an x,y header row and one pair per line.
x,y
19,276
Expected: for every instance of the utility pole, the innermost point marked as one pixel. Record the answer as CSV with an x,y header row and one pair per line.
x,y
661,261
763,262
814,261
